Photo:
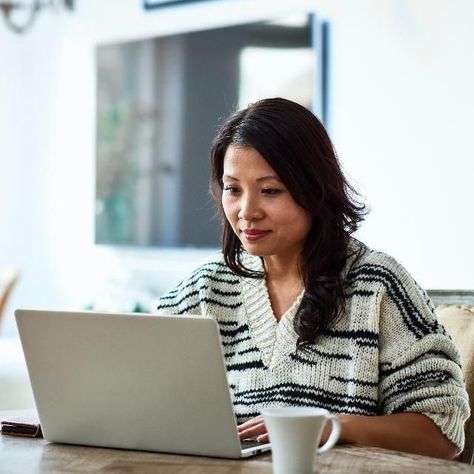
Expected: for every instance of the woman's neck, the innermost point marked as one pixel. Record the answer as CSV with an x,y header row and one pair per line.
x,y
282,269
284,283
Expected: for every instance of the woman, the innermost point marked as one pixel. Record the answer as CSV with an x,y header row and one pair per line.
x,y
308,315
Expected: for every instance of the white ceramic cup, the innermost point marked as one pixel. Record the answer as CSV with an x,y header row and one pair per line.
x,y
295,433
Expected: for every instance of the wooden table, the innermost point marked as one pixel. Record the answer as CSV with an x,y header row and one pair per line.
x,y
26,455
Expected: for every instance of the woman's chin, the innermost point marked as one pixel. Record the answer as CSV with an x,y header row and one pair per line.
x,y
255,250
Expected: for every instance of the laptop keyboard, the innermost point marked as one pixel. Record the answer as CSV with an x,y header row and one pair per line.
x,y
249,443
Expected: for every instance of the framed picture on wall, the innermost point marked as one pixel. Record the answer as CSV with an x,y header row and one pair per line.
x,y
150,4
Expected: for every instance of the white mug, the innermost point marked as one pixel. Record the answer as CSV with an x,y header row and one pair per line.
x,y
295,433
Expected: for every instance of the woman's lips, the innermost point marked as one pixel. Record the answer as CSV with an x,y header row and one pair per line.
x,y
253,235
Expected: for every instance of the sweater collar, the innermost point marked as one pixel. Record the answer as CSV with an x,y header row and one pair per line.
x,y
274,339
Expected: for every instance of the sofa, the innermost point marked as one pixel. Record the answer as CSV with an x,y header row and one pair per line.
x,y
458,319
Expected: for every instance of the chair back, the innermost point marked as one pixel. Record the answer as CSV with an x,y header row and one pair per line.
x,y
459,322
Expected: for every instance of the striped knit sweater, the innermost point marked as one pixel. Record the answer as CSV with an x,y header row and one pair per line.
x,y
388,354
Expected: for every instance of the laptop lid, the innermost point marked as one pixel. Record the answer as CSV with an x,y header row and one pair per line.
x,y
145,382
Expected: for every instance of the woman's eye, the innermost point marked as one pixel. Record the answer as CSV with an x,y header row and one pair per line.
x,y
230,189
271,191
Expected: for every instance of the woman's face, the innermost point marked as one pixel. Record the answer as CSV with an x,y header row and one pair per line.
x,y
260,209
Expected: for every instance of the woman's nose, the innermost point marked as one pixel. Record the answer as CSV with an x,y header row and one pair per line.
x,y
249,209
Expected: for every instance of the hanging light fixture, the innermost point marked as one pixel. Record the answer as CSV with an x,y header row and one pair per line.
x,y
20,15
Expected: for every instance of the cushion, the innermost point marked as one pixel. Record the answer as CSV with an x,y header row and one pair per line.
x,y
459,322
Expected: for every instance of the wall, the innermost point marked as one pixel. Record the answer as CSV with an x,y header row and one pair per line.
x,y
400,119
402,102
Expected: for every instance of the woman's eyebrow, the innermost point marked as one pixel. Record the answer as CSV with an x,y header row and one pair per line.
x,y
263,178
273,176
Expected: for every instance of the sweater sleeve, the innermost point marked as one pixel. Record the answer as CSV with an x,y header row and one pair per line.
x,y
419,363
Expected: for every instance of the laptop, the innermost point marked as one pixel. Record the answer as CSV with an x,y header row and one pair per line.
x,y
141,382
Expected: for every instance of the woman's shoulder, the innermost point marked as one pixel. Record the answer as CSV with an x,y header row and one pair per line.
x,y
381,274
190,294
377,266
213,268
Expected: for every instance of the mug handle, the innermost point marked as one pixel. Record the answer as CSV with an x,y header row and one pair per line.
x,y
334,436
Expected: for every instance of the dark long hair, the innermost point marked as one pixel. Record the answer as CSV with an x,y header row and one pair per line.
x,y
295,144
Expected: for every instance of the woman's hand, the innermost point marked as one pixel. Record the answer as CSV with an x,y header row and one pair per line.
x,y
254,428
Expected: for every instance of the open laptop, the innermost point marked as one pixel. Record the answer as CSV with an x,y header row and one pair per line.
x,y
144,382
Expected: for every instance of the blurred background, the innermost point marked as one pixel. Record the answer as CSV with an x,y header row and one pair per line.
x,y
107,110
